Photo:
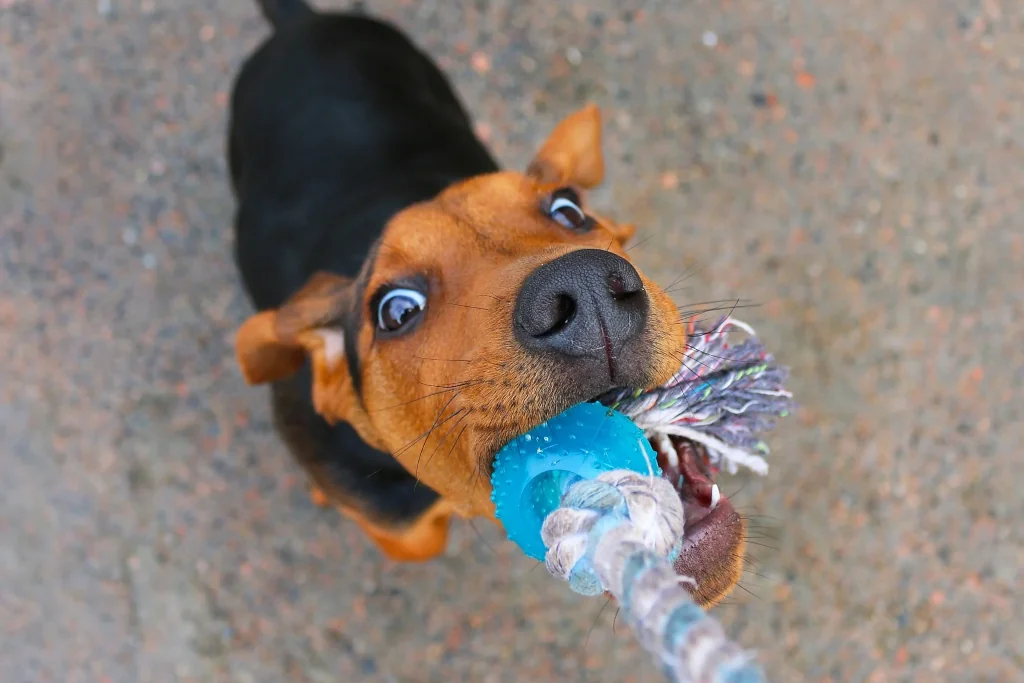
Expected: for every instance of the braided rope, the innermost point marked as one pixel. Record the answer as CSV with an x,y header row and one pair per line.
x,y
620,533
723,397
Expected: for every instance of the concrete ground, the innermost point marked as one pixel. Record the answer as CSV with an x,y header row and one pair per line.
x,y
854,167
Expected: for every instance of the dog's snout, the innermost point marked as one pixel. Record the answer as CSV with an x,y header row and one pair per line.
x,y
588,303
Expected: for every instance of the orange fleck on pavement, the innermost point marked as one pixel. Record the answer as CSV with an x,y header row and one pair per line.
x,y
480,62
805,80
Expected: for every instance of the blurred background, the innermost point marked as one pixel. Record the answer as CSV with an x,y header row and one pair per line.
x,y
855,168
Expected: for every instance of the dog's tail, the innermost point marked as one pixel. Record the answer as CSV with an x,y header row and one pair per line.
x,y
283,12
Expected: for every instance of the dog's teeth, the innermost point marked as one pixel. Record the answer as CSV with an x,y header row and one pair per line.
x,y
664,447
716,496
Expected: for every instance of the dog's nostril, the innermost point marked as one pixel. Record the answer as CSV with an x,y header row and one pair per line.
x,y
616,284
564,311
620,289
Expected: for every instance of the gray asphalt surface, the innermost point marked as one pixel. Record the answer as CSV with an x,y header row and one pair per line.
x,y
854,167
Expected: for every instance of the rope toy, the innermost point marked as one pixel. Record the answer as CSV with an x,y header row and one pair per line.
x,y
584,493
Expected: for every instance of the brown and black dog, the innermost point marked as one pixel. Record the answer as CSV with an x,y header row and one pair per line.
x,y
417,306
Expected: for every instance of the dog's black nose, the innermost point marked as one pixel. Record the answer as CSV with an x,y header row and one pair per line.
x,y
586,305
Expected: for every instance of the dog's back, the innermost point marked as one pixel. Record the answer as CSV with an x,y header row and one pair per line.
x,y
337,123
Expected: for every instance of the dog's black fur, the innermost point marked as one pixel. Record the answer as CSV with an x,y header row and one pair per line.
x,y
337,123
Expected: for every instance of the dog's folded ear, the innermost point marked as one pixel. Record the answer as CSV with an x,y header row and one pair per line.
x,y
262,355
572,154
272,345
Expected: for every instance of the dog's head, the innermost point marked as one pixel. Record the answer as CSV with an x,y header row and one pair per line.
x,y
478,315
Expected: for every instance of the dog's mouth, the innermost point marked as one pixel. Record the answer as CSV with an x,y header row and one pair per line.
x,y
712,546
713,529
686,467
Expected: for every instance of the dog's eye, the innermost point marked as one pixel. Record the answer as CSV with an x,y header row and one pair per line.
x,y
565,208
398,308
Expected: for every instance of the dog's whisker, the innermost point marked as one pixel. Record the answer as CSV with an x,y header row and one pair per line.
x,y
435,425
677,285
441,441
763,545
492,296
500,366
759,516
694,316
415,400
643,241
480,537
475,308
702,352
690,314
685,354
758,574
748,591
454,443
424,435
708,303
752,559
732,309
681,357
740,490
597,618
457,385
682,277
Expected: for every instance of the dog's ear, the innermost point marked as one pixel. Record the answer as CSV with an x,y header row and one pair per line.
x,y
273,345
572,155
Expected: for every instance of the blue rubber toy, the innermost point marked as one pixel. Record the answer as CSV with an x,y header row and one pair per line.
x,y
533,471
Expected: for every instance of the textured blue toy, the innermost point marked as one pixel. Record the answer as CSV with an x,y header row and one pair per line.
x,y
533,472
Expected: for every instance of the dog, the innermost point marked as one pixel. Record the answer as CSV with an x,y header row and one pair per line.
x,y
416,306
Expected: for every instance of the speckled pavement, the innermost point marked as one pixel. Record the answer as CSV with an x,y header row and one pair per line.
x,y
855,168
